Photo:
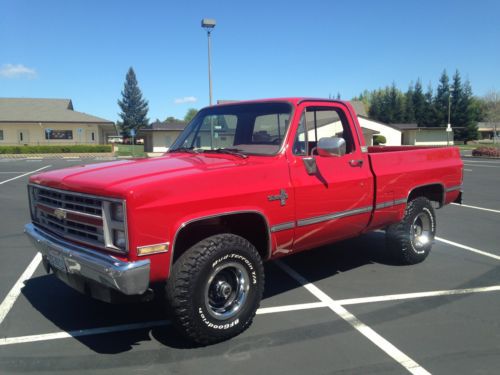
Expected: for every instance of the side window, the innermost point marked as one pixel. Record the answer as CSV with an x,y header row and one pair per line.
x,y
270,129
322,122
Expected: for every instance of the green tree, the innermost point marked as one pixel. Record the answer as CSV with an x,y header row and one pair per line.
x,y
409,116
441,100
419,103
191,112
134,108
430,116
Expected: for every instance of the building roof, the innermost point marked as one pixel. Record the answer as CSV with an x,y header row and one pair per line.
x,y
488,126
403,127
43,110
166,126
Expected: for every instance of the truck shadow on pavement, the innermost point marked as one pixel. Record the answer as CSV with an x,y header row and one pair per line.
x,y
70,311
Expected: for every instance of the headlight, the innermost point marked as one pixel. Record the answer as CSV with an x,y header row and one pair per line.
x,y
119,239
117,212
114,216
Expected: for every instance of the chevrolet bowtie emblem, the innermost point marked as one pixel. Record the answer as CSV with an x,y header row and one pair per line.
x,y
60,213
282,197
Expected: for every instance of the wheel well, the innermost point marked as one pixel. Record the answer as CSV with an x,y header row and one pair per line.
x,y
435,193
250,225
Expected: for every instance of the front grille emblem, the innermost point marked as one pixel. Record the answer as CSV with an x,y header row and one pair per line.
x,y
60,213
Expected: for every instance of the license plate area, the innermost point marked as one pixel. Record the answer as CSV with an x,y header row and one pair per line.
x,y
56,261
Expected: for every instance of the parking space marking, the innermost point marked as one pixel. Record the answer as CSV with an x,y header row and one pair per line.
x,y
398,297
482,165
24,174
11,297
298,306
396,354
264,310
81,332
481,161
465,247
476,207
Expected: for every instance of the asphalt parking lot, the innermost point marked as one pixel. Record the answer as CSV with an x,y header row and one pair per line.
x,y
344,308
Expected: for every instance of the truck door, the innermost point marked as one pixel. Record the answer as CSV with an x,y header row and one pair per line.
x,y
333,194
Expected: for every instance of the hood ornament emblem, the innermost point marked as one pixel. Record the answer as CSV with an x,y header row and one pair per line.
x,y
282,197
60,213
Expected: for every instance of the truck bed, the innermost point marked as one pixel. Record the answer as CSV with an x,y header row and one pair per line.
x,y
399,170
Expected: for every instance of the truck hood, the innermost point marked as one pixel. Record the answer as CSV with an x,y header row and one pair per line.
x,y
120,178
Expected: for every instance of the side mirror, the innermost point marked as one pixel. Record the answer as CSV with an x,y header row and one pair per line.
x,y
331,146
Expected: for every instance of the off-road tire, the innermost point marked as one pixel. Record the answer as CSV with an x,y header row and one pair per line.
x,y
400,238
192,282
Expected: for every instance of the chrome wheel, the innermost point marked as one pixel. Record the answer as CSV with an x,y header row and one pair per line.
x,y
227,290
421,232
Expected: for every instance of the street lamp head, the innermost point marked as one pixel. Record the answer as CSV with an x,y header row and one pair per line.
x,y
208,23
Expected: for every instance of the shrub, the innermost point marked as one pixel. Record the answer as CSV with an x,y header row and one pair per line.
x,y
64,149
486,151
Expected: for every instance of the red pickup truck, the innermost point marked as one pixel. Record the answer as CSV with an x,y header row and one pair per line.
x,y
244,183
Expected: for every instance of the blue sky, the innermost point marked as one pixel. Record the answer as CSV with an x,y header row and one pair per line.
x,y
81,49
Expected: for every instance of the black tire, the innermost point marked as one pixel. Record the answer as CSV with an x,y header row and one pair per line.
x,y
410,240
215,288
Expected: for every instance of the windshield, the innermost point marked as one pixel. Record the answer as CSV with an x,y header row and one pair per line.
x,y
252,128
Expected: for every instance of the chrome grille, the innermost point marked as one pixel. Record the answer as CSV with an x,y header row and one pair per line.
x,y
73,216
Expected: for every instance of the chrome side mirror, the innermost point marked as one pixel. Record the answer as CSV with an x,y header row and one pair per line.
x,y
331,146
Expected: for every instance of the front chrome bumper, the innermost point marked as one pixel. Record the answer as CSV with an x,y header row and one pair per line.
x,y
129,278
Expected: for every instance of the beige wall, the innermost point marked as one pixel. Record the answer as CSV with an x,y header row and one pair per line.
x,y
34,134
427,137
162,140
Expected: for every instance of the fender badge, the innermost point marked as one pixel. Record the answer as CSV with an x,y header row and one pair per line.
x,y
60,213
282,197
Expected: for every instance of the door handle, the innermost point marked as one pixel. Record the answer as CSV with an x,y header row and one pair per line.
x,y
356,163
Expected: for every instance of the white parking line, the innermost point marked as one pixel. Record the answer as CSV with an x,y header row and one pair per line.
x,y
398,297
396,354
25,174
11,297
477,251
476,207
261,311
467,170
81,332
482,165
299,306
481,161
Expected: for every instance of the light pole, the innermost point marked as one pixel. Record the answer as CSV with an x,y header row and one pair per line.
x,y
208,24
449,129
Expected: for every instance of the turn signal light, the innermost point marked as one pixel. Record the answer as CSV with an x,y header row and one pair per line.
x,y
152,249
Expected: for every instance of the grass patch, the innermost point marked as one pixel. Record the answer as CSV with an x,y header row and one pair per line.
x,y
62,149
130,150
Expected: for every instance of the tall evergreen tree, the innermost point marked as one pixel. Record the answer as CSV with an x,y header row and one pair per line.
x,y
409,117
430,117
419,103
471,118
441,100
134,107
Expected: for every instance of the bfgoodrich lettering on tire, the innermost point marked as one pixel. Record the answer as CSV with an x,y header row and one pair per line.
x,y
215,288
410,241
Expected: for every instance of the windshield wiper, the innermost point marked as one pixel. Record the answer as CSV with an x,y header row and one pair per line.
x,y
230,151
